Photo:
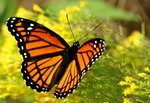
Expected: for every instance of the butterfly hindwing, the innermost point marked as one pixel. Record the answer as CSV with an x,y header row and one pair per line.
x,y
85,57
39,73
42,51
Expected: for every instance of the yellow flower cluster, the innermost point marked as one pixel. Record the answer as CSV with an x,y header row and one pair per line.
x,y
131,87
10,60
145,75
134,85
61,26
128,81
71,10
146,69
126,100
130,90
134,40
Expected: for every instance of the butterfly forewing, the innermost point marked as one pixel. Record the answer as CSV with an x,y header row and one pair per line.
x,y
85,57
42,50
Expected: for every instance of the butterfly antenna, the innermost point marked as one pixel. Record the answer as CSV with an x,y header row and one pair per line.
x,y
70,27
89,32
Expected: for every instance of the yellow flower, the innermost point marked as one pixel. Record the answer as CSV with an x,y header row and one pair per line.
x,y
22,12
82,4
134,40
126,100
36,8
4,95
122,83
42,19
142,75
133,86
129,79
62,16
128,91
71,10
146,69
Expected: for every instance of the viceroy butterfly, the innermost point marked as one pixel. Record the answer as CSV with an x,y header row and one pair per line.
x,y
49,60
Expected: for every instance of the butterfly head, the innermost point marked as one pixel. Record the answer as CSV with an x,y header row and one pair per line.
x,y
76,44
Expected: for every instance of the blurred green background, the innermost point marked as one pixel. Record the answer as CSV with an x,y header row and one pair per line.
x,y
122,75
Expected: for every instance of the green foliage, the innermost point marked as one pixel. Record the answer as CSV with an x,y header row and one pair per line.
x,y
97,8
7,8
121,75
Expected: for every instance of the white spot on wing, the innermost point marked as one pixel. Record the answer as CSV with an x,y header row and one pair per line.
x,y
25,65
94,46
29,28
96,56
25,71
17,35
69,90
92,60
37,86
13,18
31,24
27,77
95,42
22,47
25,56
20,40
12,21
13,30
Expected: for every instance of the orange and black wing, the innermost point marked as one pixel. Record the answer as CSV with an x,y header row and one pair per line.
x,y
85,57
42,51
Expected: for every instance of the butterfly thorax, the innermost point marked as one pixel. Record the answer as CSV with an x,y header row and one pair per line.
x,y
72,51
